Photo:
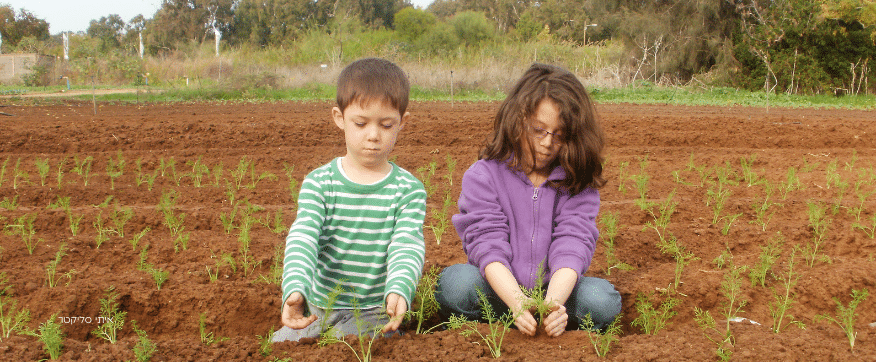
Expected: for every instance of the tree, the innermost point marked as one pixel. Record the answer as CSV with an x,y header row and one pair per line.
x,y
108,29
14,27
472,28
411,23
270,22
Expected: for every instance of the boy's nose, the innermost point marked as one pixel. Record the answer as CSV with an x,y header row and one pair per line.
x,y
373,133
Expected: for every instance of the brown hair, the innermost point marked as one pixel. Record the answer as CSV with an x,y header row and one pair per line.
x,y
373,79
580,154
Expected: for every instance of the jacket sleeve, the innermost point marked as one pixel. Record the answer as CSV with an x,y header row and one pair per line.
x,y
302,243
575,232
481,223
407,250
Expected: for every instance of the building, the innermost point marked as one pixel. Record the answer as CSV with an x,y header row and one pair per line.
x,y
15,67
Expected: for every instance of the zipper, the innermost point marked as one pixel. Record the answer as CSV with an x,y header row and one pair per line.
x,y
533,272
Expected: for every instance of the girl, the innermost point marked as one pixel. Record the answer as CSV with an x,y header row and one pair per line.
x,y
528,210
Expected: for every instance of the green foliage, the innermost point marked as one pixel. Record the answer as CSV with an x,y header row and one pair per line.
x,y
52,336
23,226
113,319
769,254
82,168
602,341
115,168
411,23
641,181
425,305
497,326
846,315
661,217
608,223
145,348
652,320
207,338
12,319
818,223
784,298
762,213
265,342
173,221
52,277
472,28
366,335
42,165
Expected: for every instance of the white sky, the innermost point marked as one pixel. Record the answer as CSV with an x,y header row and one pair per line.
x,y
75,15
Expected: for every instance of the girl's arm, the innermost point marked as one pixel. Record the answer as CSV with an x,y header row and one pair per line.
x,y
506,287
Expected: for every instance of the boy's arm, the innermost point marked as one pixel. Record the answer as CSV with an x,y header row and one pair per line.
x,y
407,250
302,243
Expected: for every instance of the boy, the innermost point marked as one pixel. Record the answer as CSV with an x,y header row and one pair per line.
x,y
360,218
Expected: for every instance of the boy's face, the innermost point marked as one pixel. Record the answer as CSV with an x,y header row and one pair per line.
x,y
370,130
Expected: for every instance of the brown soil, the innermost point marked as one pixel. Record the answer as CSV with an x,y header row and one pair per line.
x,y
240,307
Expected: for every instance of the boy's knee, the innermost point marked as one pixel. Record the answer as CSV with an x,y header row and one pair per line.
x,y
456,286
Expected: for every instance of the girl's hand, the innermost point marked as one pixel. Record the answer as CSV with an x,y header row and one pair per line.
x,y
293,312
526,323
555,322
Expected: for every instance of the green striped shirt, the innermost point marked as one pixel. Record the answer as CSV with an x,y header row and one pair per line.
x,y
367,239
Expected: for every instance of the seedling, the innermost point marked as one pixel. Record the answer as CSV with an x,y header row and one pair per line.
x,y
52,336
818,223
158,275
451,167
847,316
246,167
724,341
870,230
170,165
115,169
265,343
60,174
102,234
535,297
217,175
622,177
366,335
139,236
63,203
141,177
851,164
729,222
293,183
497,326
425,305
82,168
762,213
641,181
213,273
276,275
440,220
173,221
207,338
23,226
12,320
199,170
609,226
425,174
19,174
42,165
862,196
791,183
52,277
769,254
784,298
748,174
3,170
9,204
602,341
661,216
145,348
113,318
652,320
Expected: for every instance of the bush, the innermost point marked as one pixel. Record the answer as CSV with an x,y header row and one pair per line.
x,y
472,28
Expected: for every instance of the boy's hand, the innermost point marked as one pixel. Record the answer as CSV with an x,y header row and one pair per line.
x,y
555,322
293,312
396,307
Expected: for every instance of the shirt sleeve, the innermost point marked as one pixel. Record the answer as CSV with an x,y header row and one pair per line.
x,y
575,233
302,243
407,249
482,225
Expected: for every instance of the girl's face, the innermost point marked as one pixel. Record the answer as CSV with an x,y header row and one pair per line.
x,y
544,134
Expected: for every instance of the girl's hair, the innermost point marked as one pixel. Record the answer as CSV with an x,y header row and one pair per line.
x,y
580,153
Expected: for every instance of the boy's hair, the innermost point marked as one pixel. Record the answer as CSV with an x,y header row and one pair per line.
x,y
373,79
580,153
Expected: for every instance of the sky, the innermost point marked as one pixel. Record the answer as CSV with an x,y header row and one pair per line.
x,y
75,15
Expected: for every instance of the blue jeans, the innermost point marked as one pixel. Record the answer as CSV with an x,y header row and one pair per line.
x,y
457,294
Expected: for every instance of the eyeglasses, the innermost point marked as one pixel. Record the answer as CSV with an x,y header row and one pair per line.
x,y
540,133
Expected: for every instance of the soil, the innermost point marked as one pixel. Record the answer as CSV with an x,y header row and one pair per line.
x,y
827,148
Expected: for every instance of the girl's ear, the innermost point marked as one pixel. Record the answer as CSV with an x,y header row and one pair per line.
x,y
404,120
338,117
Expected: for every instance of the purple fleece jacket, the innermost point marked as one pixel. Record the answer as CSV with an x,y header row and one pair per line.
x,y
504,218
